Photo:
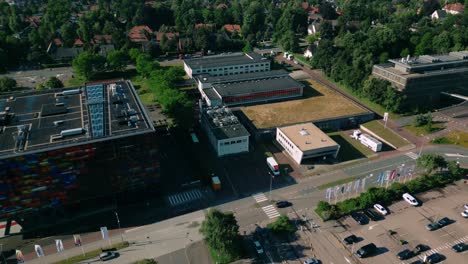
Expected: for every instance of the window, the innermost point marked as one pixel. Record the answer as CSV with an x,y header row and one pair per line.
x,y
241,67
226,143
236,67
230,68
209,70
233,142
239,141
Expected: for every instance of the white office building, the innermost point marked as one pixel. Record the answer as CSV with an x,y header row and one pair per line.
x,y
305,141
225,133
226,64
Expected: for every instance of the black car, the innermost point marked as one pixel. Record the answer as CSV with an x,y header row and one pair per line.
x,y
374,216
366,250
420,248
432,226
350,239
444,222
283,204
405,254
460,247
359,218
435,258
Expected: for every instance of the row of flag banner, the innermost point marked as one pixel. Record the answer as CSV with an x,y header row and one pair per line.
x,y
59,245
358,185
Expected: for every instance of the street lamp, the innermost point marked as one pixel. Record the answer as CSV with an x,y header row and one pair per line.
x,y
118,222
271,183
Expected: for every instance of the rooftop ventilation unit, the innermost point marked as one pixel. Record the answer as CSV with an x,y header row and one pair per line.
x,y
72,132
71,92
304,132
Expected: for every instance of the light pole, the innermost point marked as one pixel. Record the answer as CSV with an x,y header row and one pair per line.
x,y
271,184
118,222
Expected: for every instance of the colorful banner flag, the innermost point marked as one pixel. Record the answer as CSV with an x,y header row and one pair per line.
x,y
59,245
381,177
349,187
343,188
104,233
77,239
19,256
356,184
387,175
328,193
335,191
363,183
39,251
393,174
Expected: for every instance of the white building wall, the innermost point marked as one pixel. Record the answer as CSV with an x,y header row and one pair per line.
x,y
293,151
188,70
233,146
230,70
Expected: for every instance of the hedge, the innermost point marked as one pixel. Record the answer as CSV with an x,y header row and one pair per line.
x,y
384,196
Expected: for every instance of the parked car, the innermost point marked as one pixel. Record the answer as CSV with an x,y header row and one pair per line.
x,y
405,254
444,221
410,199
107,255
465,213
312,261
466,206
283,204
366,250
350,239
432,226
460,247
258,247
420,248
359,218
372,215
435,258
380,209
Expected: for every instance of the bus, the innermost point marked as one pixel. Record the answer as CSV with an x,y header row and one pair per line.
x,y
273,165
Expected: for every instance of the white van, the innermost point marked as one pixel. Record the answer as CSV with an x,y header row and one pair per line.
x,y
273,165
285,55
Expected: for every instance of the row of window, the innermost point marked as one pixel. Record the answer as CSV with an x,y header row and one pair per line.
x,y
231,68
286,141
232,73
233,142
251,97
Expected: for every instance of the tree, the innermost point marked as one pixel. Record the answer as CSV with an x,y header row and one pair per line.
x,y
282,226
423,120
53,83
134,53
247,48
117,60
68,33
87,64
327,10
431,162
7,84
221,233
145,65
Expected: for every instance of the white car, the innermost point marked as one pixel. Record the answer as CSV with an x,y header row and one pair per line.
x,y
410,199
107,255
258,247
380,209
466,206
465,213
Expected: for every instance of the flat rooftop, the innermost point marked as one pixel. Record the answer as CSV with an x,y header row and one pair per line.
x,y
318,103
257,86
223,123
242,76
58,118
307,137
224,60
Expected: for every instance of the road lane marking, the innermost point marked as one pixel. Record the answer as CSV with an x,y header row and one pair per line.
x,y
412,155
259,197
270,211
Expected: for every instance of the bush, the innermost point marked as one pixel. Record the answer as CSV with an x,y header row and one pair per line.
x,y
282,226
146,261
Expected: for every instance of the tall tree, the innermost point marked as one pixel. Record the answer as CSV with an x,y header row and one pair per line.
x,y
7,84
117,60
87,64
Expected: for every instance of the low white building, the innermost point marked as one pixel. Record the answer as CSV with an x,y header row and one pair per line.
x,y
304,141
225,133
226,64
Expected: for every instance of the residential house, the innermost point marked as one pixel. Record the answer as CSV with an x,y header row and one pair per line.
x,y
169,35
200,25
438,14
141,35
454,9
102,39
78,43
313,27
61,54
222,5
232,28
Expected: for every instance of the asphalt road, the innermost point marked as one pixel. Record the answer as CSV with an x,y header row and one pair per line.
x,y
32,78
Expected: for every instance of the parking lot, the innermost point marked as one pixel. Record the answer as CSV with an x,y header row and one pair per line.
x,y
405,228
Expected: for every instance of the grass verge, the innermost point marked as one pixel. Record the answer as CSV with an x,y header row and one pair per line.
x,y
454,138
338,182
350,149
93,254
424,130
385,133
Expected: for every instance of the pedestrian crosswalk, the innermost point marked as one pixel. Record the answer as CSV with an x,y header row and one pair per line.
x,y
270,211
184,197
259,197
443,247
412,155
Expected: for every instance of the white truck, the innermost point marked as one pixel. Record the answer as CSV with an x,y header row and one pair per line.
x,y
285,55
367,140
273,165
290,57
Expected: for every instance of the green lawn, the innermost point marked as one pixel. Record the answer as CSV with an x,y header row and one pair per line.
x,y
92,254
453,138
386,133
350,149
74,82
424,130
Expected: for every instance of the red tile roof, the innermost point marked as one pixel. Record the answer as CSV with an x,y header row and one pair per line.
x,y
78,42
150,3
93,7
223,5
203,25
457,7
137,33
102,39
169,35
232,28
58,42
